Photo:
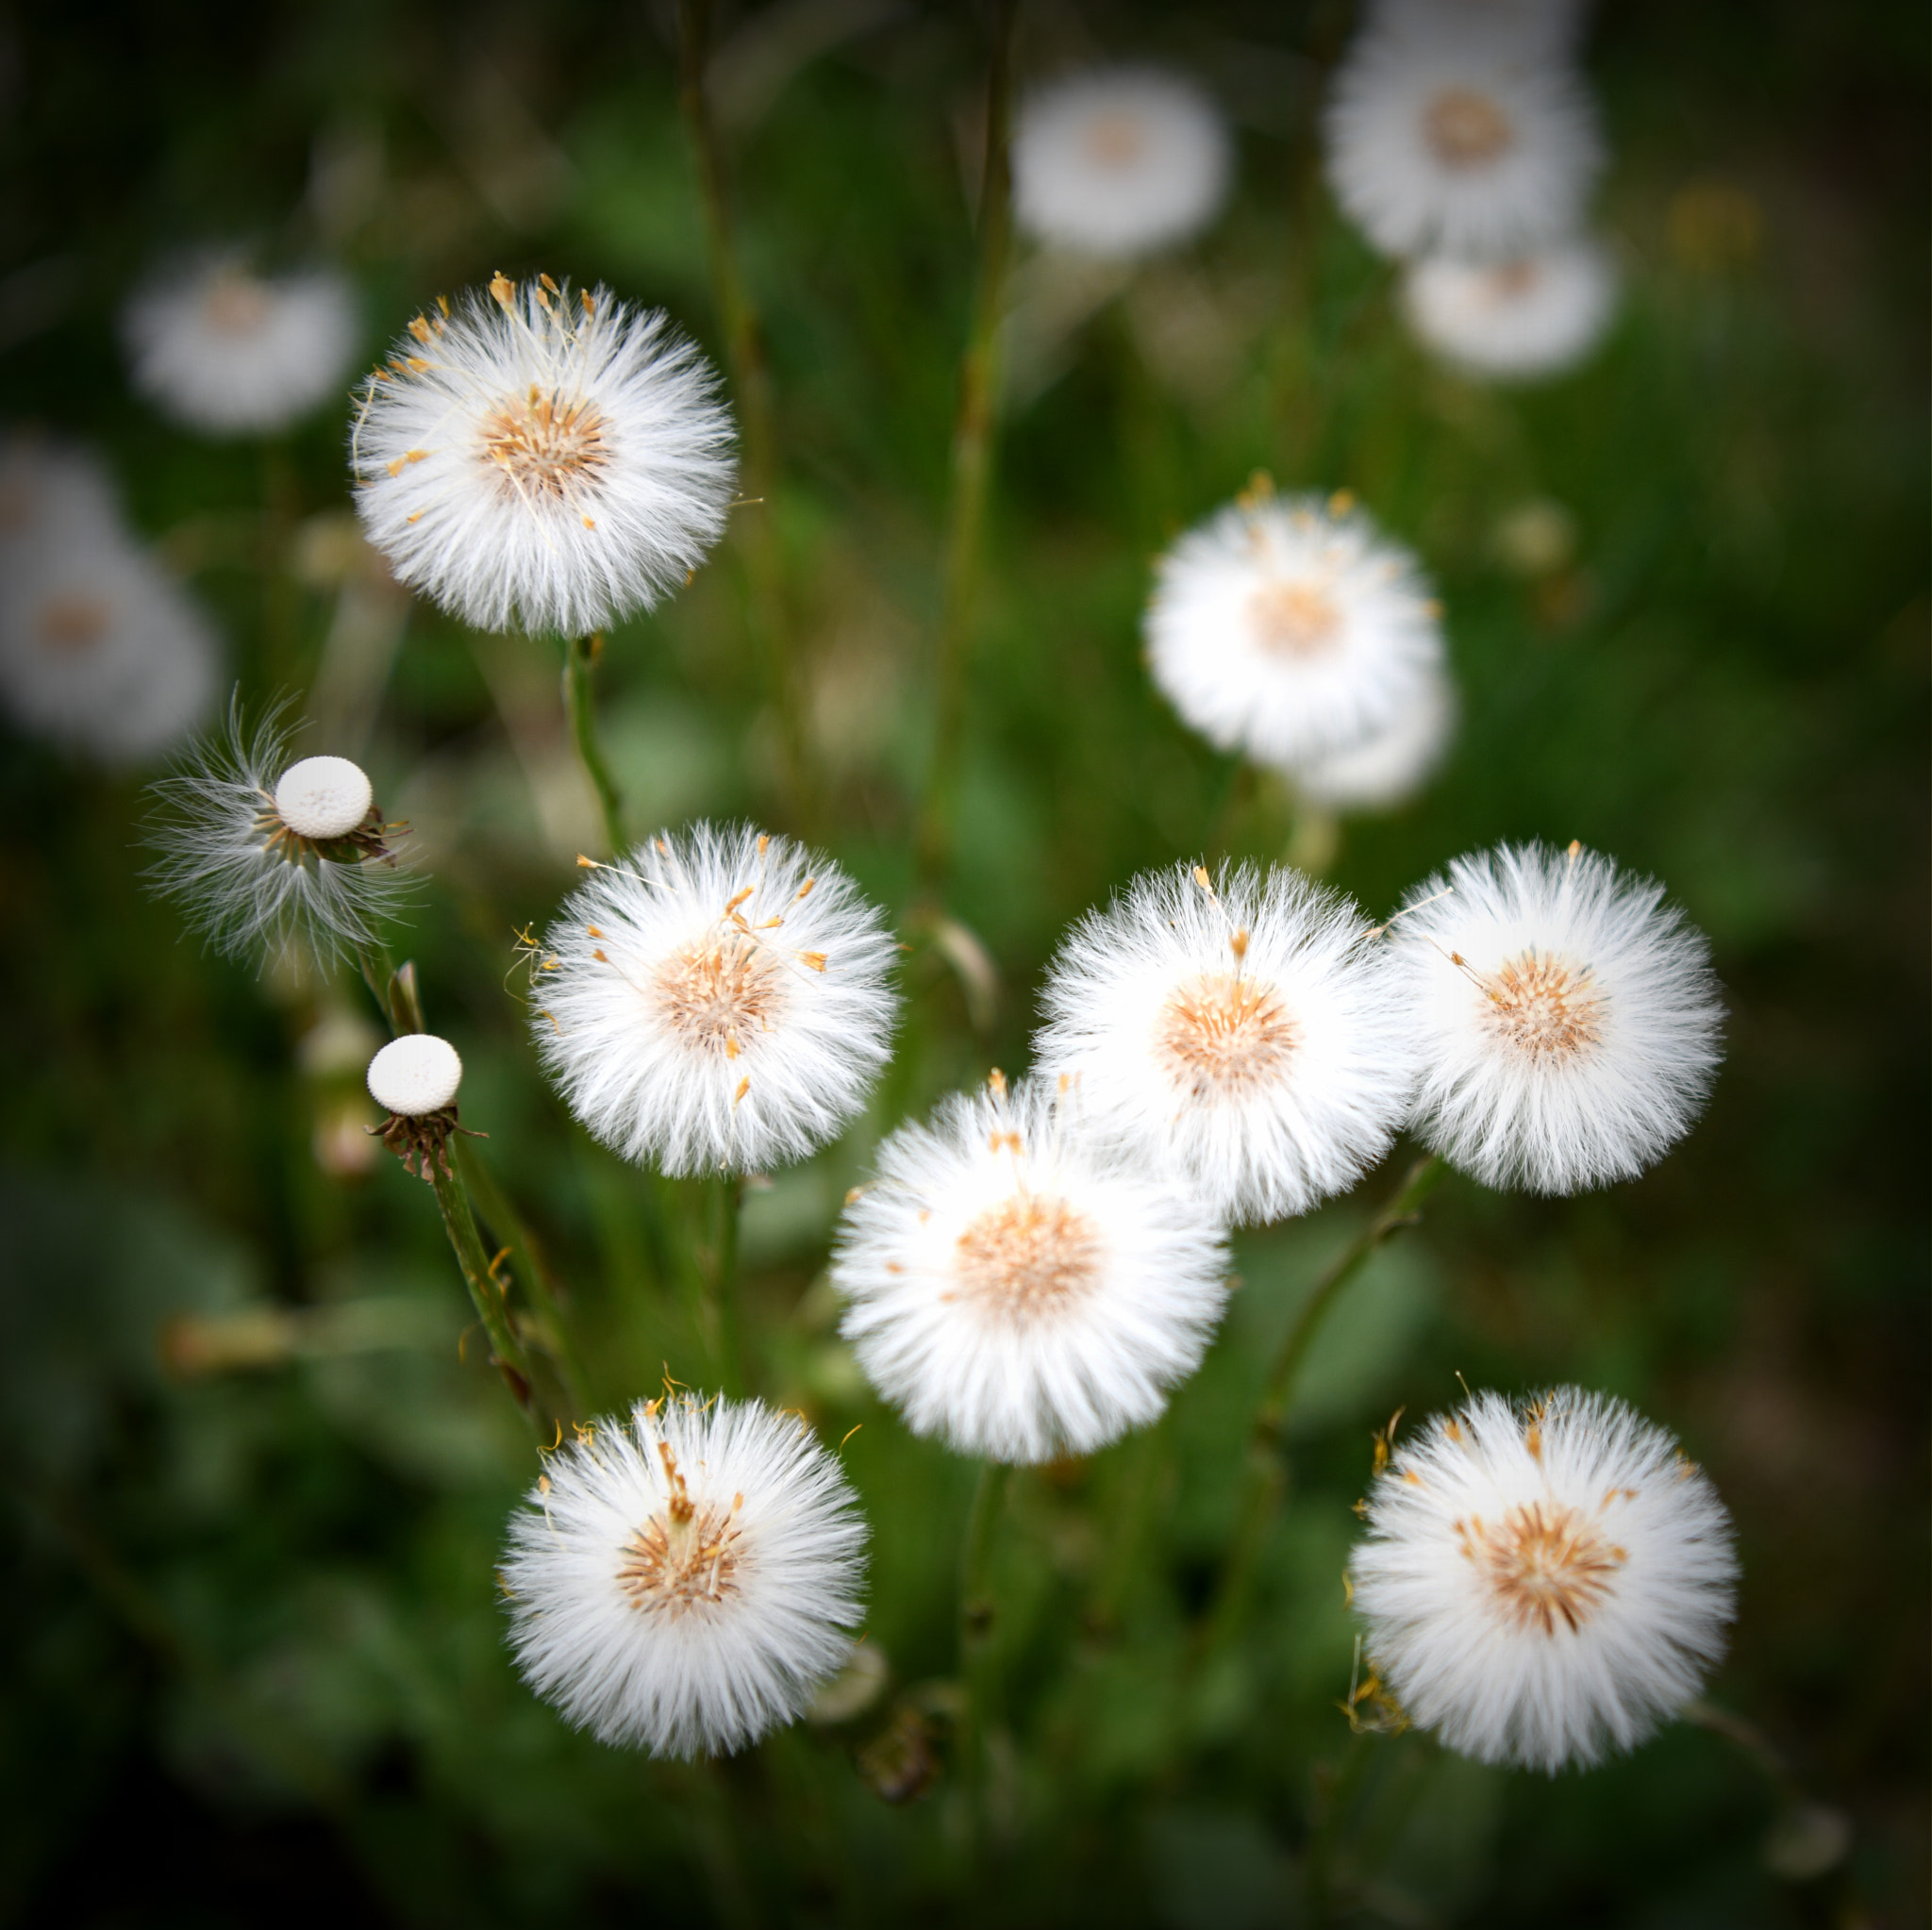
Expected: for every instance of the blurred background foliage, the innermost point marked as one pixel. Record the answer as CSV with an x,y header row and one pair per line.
x,y
258,1478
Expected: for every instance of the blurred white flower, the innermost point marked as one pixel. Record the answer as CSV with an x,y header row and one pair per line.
x,y
250,874
1542,1585
1390,767
543,459
683,1583
1568,1020
228,352
1242,1032
1119,163
1020,1287
1290,629
100,648
1537,315
721,999
1458,142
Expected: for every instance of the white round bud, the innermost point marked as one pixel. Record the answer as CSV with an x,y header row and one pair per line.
x,y
323,797
415,1075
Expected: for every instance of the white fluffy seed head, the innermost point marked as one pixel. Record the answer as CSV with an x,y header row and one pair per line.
x,y
720,999
1119,163
1543,1583
1288,629
323,798
1537,315
1018,1284
245,876
415,1075
1390,767
1470,143
543,458
228,352
1568,1021
101,650
1242,1032
684,1582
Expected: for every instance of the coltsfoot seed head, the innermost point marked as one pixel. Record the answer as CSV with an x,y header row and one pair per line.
x,y
415,1075
543,458
323,798
685,1581
1568,1021
1241,1032
1388,767
1545,1582
1444,136
1513,321
1020,1286
720,999
1289,628
1119,163
229,352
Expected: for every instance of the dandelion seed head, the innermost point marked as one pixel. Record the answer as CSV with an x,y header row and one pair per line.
x,y
415,1075
717,998
1019,1286
1568,1020
685,1580
226,352
1535,315
1288,628
1542,1583
1241,1031
541,457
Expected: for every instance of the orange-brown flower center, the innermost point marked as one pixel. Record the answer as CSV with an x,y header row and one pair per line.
x,y
1115,139
1466,129
718,992
1295,618
684,1557
1027,1258
236,304
71,623
1221,1035
1545,1008
543,447
1544,1564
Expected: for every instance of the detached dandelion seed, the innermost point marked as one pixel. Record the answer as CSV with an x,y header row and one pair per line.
x,y
265,854
229,352
543,458
1472,144
1020,1287
720,999
1536,315
101,650
1543,1583
1290,630
684,1583
1568,1020
1243,1031
1119,163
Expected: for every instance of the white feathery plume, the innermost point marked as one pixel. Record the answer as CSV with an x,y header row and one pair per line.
x,y
543,459
1020,1285
685,1582
1568,1020
721,999
1290,629
1542,1583
228,352
1119,163
262,853
1243,1031
1537,315
1446,140
101,650
1389,767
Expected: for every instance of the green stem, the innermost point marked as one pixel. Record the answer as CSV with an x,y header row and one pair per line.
x,y
546,1294
1261,1491
972,447
506,1351
976,1618
720,1211
751,380
580,655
